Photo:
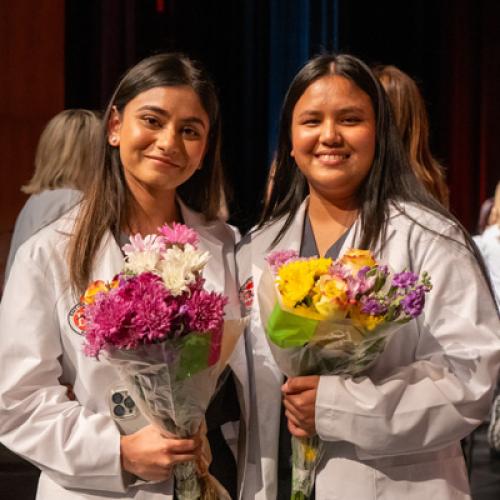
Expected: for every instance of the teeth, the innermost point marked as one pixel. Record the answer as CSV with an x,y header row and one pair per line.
x,y
332,157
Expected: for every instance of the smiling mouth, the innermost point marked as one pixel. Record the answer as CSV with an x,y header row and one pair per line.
x,y
332,159
164,160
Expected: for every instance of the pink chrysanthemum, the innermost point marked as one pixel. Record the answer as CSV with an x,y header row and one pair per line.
x,y
204,312
107,322
178,234
139,311
150,243
280,257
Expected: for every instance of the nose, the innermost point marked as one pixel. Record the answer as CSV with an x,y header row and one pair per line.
x,y
330,133
168,140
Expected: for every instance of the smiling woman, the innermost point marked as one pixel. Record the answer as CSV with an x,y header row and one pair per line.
x,y
162,136
342,181
158,163
333,145
333,137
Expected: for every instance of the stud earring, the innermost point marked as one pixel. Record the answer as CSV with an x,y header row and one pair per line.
x,y
113,140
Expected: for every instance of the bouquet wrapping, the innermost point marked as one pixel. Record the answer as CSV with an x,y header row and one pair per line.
x,y
332,317
166,334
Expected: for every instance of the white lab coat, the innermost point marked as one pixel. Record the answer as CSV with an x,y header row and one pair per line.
x,y
76,444
489,245
395,432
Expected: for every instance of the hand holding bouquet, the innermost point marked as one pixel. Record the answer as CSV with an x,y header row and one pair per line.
x,y
332,317
166,334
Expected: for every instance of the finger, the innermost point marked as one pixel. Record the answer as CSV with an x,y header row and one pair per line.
x,y
291,409
179,446
296,385
302,421
296,431
185,457
304,402
291,418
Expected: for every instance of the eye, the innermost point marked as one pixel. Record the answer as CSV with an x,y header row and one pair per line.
x,y
190,132
310,122
351,120
151,121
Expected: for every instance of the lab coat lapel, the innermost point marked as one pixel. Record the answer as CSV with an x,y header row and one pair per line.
x,y
353,239
290,241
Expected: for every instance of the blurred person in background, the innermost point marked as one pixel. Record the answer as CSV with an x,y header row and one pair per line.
x,y
412,121
63,169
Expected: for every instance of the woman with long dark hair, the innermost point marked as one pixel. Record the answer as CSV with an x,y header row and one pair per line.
x,y
343,180
158,162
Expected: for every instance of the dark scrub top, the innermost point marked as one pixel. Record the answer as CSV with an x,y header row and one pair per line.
x,y
308,248
223,408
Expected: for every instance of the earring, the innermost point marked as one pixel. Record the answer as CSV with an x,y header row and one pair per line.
x,y
113,140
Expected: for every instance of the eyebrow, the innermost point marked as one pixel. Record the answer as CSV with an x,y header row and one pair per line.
x,y
162,112
347,109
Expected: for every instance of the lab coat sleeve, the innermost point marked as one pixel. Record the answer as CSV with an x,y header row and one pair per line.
x,y
446,391
74,446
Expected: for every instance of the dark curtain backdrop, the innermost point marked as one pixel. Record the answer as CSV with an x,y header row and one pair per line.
x,y
253,48
472,103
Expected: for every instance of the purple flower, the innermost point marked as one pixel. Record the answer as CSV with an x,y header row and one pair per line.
x,y
373,306
178,234
404,279
360,284
383,270
414,302
280,257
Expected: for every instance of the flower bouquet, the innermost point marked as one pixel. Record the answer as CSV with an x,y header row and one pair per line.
x,y
332,317
166,334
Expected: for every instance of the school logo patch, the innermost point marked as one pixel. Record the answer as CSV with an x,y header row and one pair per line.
x,y
246,294
76,318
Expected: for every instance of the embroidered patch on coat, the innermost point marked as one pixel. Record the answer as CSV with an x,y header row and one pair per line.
x,y
76,318
246,294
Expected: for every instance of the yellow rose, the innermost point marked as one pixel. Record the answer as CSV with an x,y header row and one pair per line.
x,y
355,259
330,297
